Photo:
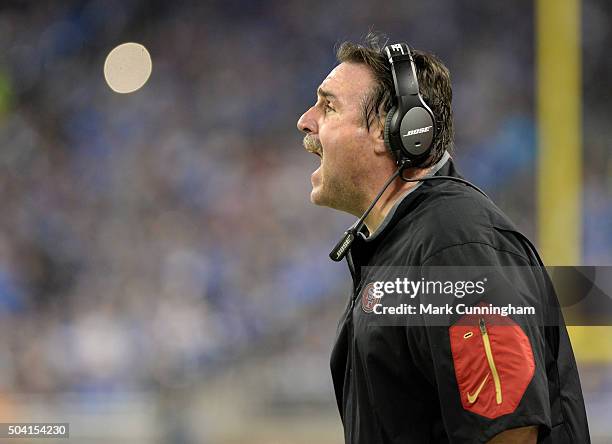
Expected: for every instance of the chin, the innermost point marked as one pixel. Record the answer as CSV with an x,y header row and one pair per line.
x,y
318,197
315,197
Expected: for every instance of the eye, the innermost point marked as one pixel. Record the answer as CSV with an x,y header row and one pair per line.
x,y
328,107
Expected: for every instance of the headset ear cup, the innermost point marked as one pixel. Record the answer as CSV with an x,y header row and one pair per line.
x,y
387,129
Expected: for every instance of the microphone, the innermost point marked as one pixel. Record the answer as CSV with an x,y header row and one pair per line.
x,y
344,244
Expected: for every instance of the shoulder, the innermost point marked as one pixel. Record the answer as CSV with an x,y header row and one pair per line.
x,y
453,223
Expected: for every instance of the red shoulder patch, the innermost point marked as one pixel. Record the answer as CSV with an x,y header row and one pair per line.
x,y
493,363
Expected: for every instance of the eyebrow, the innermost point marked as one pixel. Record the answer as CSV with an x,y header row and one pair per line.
x,y
325,94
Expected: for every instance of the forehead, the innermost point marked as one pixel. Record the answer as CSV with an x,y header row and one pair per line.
x,y
349,82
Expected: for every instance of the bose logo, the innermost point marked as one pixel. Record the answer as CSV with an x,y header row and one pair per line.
x,y
344,246
346,243
425,129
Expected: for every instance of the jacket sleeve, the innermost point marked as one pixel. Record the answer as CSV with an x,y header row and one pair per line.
x,y
488,369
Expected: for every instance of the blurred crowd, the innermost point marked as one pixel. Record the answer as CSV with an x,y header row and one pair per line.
x,y
152,239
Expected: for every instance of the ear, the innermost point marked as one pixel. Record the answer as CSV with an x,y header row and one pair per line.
x,y
378,139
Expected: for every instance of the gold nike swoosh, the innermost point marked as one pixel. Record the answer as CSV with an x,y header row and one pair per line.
x,y
472,398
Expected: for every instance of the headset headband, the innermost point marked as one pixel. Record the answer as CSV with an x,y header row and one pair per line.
x,y
404,74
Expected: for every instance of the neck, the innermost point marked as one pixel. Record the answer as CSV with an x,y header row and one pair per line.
x,y
396,190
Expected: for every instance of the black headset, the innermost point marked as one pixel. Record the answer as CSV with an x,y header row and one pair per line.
x,y
410,125
409,135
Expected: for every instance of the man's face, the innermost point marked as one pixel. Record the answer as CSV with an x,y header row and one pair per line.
x,y
335,131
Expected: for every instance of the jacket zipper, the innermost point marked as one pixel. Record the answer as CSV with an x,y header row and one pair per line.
x,y
487,346
349,322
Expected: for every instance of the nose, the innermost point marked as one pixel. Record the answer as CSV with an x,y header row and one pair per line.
x,y
307,123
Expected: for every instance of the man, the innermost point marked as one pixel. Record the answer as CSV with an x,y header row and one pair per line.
x,y
419,384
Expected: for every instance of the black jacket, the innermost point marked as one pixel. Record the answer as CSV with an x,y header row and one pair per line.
x,y
413,384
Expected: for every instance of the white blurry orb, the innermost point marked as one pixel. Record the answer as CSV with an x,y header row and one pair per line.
x,y
127,67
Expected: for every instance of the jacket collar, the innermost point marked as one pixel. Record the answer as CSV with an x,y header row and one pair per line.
x,y
443,167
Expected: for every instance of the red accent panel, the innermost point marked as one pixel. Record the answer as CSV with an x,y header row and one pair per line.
x,y
512,355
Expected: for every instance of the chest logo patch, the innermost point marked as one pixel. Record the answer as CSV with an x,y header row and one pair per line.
x,y
368,300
